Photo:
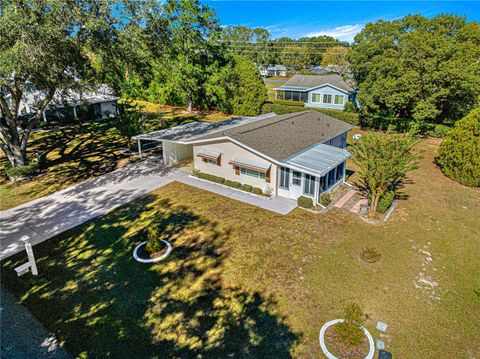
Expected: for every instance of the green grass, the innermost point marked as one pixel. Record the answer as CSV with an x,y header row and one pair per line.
x,y
84,151
244,282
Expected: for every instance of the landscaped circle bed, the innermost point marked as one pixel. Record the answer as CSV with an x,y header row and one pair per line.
x,y
336,349
141,254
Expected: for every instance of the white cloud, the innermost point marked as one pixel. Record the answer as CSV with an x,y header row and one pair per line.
x,y
343,33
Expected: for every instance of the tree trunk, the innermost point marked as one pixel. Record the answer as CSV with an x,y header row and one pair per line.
x,y
190,106
374,203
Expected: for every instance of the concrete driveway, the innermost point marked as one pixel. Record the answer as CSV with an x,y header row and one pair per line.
x,y
48,216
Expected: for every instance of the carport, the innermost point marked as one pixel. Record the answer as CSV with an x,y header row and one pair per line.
x,y
175,143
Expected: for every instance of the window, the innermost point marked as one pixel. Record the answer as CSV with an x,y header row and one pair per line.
x,y
297,178
340,168
309,186
315,97
323,184
339,99
284,177
331,177
252,173
327,98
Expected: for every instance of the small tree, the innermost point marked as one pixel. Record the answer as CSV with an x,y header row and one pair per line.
x,y
459,153
384,161
349,330
130,123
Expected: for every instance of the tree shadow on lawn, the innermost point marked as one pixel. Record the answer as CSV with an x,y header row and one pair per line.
x,y
102,303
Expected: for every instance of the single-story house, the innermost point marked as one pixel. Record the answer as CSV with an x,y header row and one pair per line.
x,y
96,102
273,70
325,91
322,69
292,155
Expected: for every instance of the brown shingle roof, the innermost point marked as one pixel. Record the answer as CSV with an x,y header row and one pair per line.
x,y
282,136
310,81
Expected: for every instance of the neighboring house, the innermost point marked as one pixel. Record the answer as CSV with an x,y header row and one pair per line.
x,y
292,155
273,70
322,70
325,91
96,102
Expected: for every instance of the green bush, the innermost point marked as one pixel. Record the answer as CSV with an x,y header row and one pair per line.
x,y
256,190
350,107
22,171
459,153
154,244
385,201
233,184
305,202
208,177
439,130
247,188
325,199
290,103
349,331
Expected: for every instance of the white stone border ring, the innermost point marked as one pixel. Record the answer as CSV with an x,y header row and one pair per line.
x,y
151,260
335,321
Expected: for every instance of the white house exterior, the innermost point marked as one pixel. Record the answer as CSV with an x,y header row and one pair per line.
x,y
70,102
273,70
327,91
293,155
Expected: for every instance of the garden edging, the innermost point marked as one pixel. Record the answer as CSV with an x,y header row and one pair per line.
x,y
151,260
329,355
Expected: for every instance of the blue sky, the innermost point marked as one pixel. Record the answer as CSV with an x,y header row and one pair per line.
x,y
340,19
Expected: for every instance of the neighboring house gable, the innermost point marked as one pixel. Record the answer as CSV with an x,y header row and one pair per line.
x,y
327,91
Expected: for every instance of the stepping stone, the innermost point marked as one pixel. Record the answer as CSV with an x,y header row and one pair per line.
x,y
341,202
356,208
382,327
379,344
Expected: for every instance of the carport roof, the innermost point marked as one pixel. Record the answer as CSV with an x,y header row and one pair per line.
x,y
319,159
193,130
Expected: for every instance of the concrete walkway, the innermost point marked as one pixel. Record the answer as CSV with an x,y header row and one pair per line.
x,y
23,336
277,204
48,216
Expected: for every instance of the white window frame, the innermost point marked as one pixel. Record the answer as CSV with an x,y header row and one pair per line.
x,y
327,94
249,172
339,96
319,97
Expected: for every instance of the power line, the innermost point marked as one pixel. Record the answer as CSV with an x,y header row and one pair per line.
x,y
283,42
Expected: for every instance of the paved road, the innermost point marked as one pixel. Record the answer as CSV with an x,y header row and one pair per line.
x,y
23,336
48,216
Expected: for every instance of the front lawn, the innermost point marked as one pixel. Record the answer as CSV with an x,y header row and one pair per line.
x,y
77,153
244,282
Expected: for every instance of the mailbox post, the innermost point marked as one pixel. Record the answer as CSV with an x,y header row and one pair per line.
x,y
31,265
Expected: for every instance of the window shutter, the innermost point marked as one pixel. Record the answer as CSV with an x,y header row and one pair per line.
x,y
267,177
219,160
204,159
237,170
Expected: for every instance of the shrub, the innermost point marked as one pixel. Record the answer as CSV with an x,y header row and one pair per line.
x,y
385,201
22,171
325,199
208,177
305,202
154,244
256,190
459,153
247,188
349,331
439,130
370,255
233,184
350,107
290,103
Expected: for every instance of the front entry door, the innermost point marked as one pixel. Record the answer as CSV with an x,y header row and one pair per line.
x,y
296,186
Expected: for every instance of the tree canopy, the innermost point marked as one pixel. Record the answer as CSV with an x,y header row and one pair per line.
x,y
425,69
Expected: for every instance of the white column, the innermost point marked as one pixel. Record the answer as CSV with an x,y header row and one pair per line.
x,y
44,117
139,148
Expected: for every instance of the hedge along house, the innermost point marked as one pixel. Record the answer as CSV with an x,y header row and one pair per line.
x,y
292,155
324,91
